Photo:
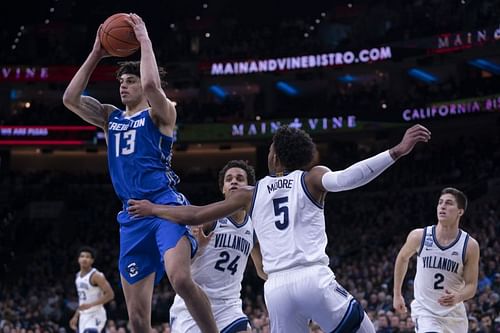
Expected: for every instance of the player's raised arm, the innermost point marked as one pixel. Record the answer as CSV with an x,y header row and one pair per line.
x,y
88,108
194,215
162,110
322,179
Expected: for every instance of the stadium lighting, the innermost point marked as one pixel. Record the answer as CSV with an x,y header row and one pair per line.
x,y
348,78
218,91
422,75
486,65
287,88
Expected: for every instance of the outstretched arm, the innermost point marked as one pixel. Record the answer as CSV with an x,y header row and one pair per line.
x,y
162,110
321,179
401,266
88,108
194,215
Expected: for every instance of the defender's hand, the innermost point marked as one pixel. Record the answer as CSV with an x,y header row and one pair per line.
x,y
200,236
413,135
140,208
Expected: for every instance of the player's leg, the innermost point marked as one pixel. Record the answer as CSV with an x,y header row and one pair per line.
x,y
138,297
330,305
339,312
178,267
427,324
92,322
229,316
366,325
181,320
456,321
138,263
283,305
238,326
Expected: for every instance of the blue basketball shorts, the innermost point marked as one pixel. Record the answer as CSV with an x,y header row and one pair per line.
x,y
143,243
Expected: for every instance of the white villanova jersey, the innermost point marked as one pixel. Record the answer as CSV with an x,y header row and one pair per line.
x,y
220,266
289,223
88,293
439,268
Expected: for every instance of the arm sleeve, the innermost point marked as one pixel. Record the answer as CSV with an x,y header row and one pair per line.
x,y
357,174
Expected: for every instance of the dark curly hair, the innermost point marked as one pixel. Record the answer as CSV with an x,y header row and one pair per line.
x,y
87,249
237,164
294,148
134,68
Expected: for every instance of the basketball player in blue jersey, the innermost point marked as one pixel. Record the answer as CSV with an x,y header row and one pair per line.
x,y
218,267
139,142
286,208
447,269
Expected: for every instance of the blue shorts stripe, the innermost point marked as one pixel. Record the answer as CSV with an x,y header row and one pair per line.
x,y
352,318
238,325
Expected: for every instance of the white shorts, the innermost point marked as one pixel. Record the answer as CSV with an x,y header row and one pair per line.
x,y
228,316
92,321
426,321
295,296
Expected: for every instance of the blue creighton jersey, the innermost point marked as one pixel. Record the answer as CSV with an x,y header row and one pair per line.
x,y
139,159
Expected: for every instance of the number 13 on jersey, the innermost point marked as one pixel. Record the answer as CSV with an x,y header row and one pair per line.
x,y
128,145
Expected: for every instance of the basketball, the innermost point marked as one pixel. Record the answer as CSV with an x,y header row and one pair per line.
x,y
117,36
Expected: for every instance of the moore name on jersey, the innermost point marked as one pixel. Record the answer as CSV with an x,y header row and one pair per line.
x,y
280,183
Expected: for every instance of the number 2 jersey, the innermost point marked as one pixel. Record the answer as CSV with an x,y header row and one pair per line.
x,y
220,266
439,268
139,158
289,223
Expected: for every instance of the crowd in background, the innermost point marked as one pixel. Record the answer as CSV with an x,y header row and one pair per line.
x,y
42,230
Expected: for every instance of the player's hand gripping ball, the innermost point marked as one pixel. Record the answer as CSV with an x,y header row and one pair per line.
x,y
117,36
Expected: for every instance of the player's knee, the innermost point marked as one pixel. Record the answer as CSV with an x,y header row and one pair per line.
x,y
181,282
182,285
352,319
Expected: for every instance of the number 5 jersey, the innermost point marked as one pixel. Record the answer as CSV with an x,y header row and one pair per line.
x,y
289,223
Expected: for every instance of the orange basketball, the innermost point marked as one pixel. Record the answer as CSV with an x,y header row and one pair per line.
x,y
117,36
